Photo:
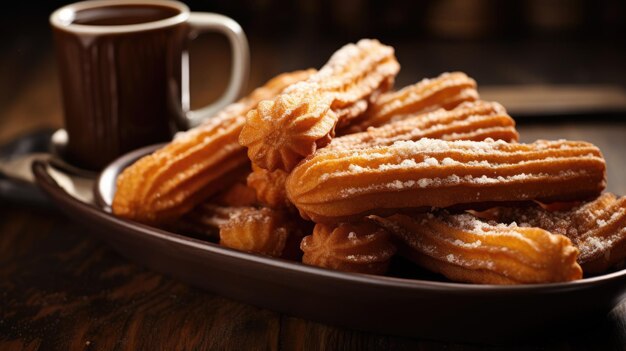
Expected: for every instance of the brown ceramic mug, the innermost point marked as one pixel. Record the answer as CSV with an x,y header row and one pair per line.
x,y
124,73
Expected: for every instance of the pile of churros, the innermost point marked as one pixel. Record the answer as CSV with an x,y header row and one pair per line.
x,y
335,168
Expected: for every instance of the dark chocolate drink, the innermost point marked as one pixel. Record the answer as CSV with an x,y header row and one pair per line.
x,y
120,90
123,15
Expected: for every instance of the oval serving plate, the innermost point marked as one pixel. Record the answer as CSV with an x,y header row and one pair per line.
x,y
390,305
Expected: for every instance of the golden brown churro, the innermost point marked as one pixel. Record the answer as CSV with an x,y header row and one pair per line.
x,y
282,131
446,91
360,247
597,228
475,121
464,248
347,184
269,187
163,186
262,230
237,195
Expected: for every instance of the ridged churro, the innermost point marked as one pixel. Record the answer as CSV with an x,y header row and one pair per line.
x,y
347,184
351,247
281,132
269,187
446,91
262,230
464,248
161,187
475,121
237,195
597,228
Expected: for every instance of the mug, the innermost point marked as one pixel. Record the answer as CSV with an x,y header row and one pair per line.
x,y
124,74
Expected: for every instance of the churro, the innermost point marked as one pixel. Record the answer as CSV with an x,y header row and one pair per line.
x,y
269,187
351,247
597,228
417,175
464,248
446,91
262,230
475,121
237,195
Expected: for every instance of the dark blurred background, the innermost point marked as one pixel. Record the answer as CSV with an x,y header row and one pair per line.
x,y
573,44
525,41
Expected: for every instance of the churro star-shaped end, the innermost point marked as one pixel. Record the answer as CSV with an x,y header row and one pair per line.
x,y
361,247
279,133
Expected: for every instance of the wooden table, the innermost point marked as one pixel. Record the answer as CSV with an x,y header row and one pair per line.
x,y
62,289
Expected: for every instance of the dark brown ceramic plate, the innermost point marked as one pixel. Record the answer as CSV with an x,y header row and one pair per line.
x,y
391,305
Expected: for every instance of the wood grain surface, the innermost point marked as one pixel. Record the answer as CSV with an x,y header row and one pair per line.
x,y
61,289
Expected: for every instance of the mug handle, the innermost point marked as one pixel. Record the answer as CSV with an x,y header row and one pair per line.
x,y
211,22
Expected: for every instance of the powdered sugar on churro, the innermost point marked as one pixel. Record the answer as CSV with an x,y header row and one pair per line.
x,y
595,227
